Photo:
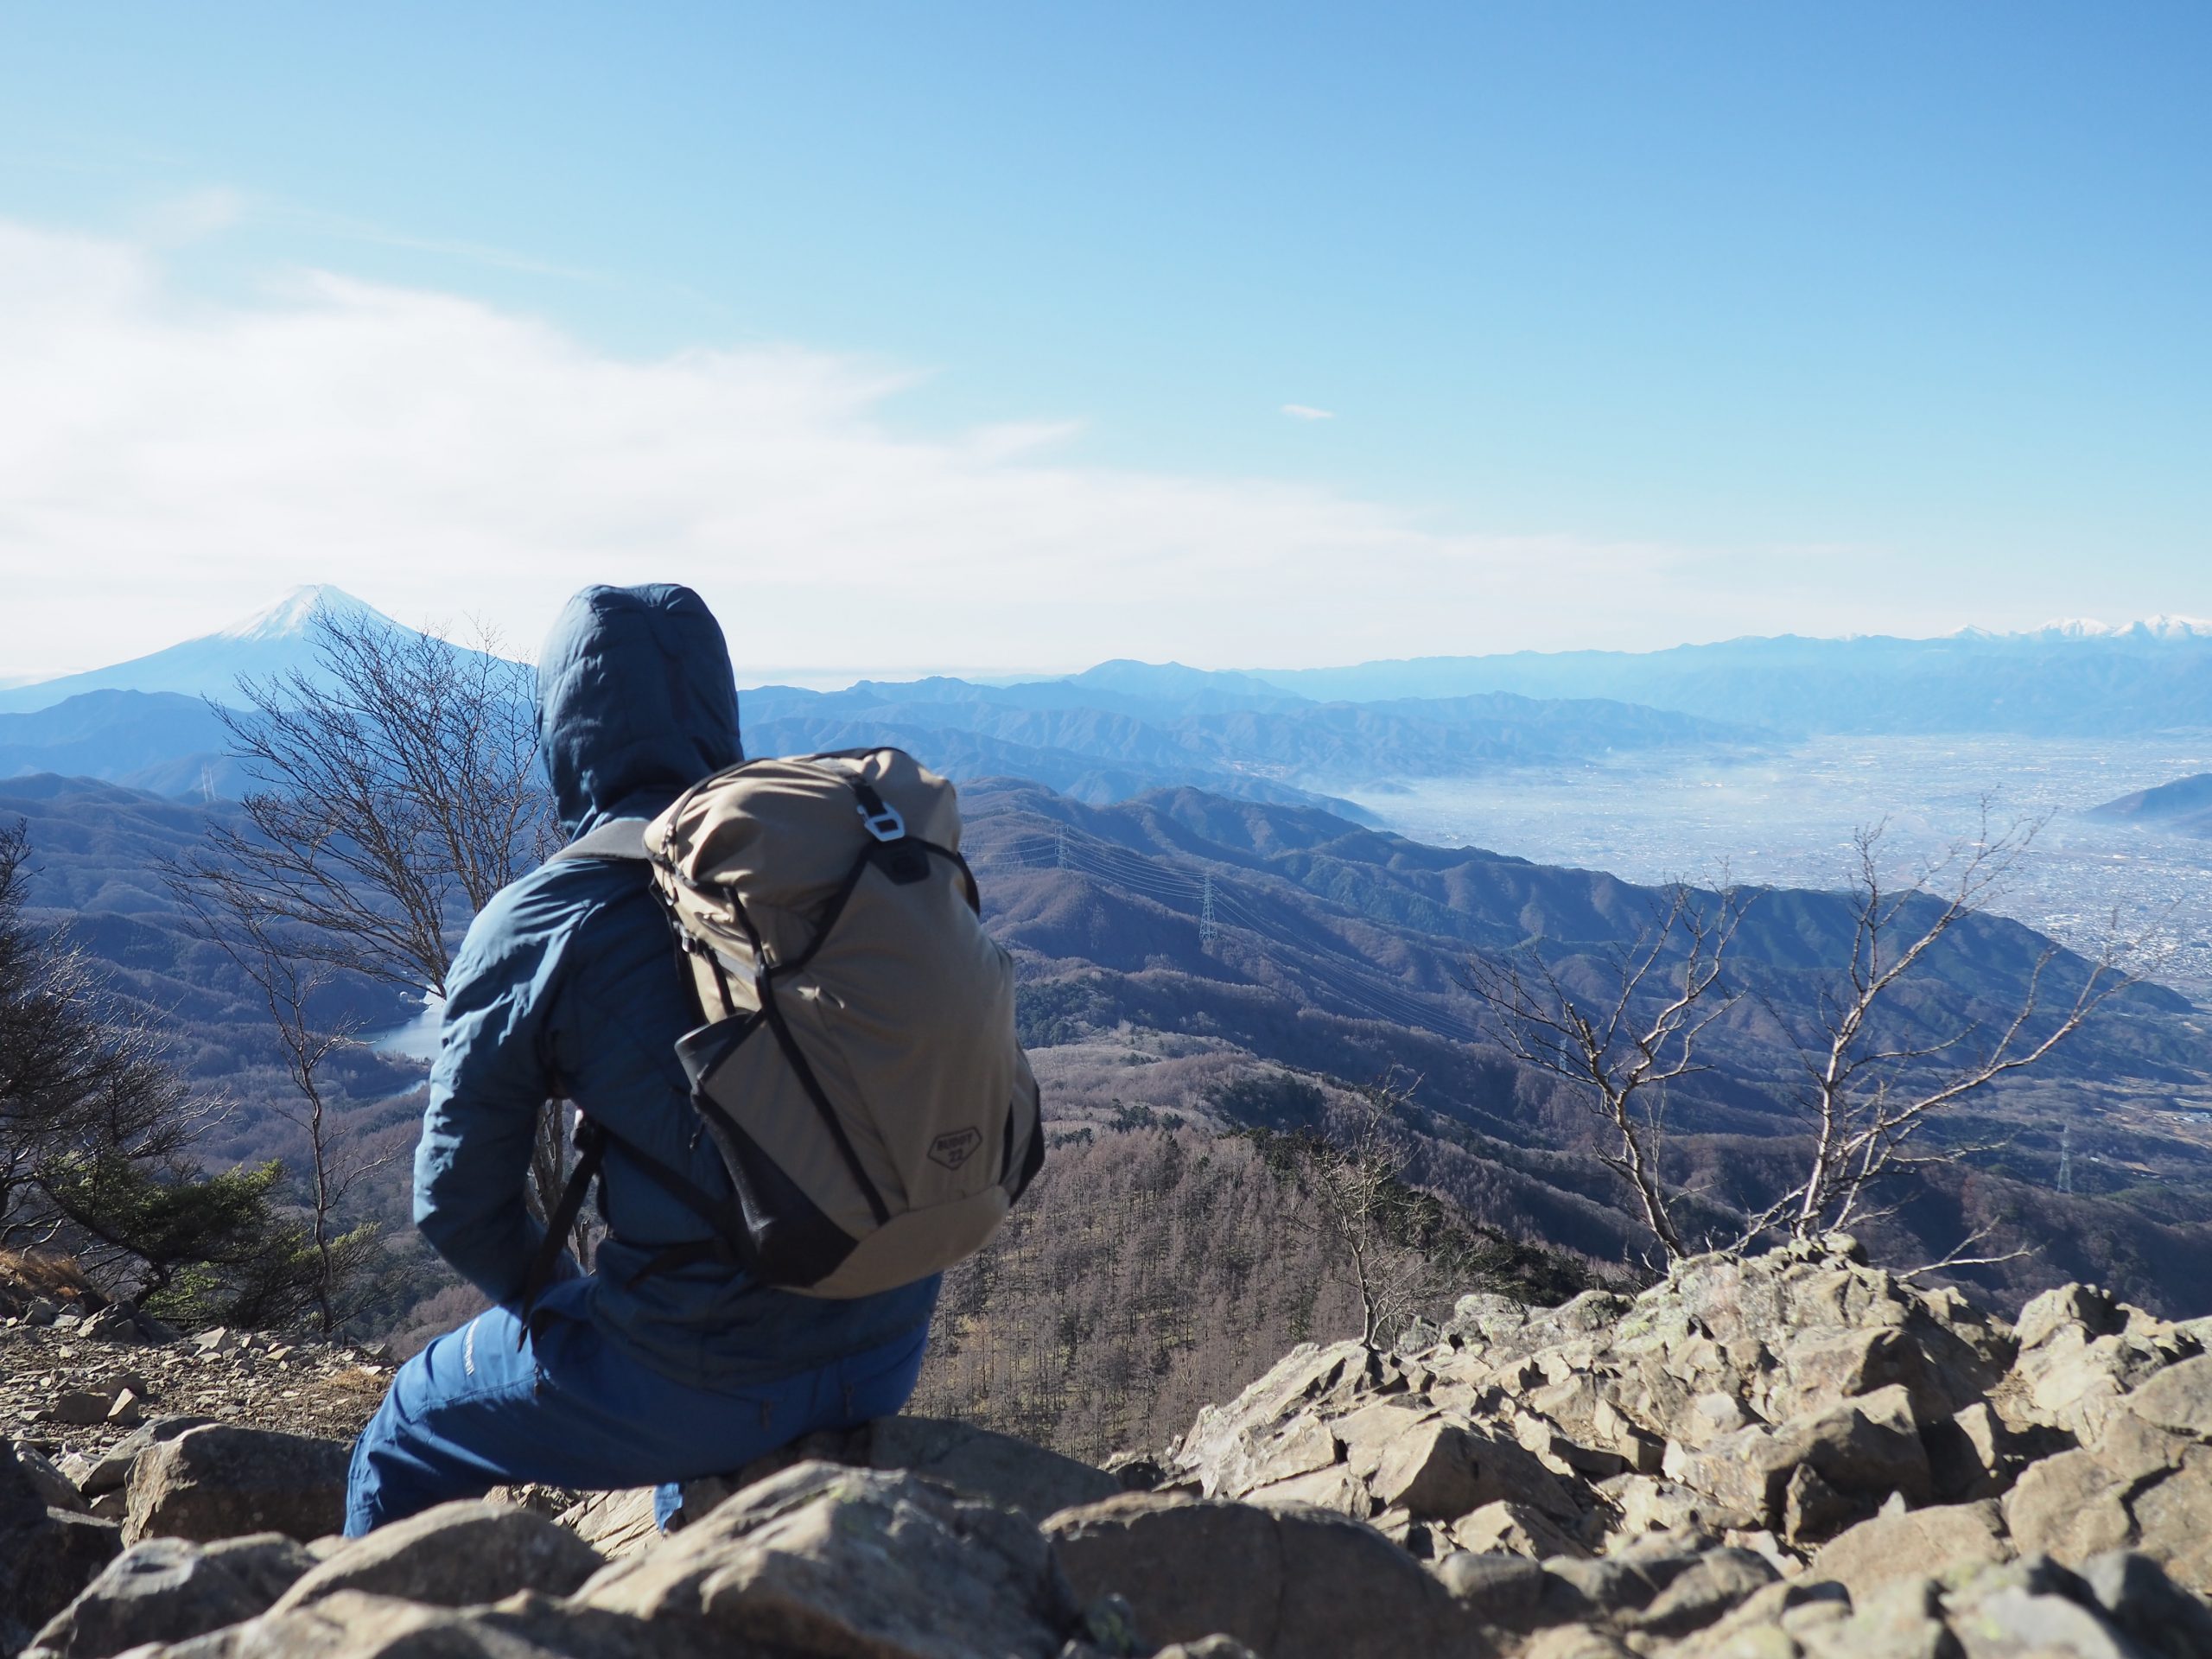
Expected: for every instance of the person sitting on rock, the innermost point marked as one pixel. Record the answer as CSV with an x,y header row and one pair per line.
x,y
567,987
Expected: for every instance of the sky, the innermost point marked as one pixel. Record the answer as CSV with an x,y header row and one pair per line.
x,y
1013,337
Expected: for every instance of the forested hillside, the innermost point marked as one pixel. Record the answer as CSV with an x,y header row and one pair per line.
x,y
1193,966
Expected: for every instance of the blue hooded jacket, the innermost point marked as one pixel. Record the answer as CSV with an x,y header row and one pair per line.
x,y
567,987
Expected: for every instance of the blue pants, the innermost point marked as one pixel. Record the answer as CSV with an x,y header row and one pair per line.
x,y
475,1410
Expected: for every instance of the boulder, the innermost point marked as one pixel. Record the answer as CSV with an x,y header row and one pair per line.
x,y
1497,1590
454,1556
621,1523
161,1590
1431,1472
824,1559
1870,1447
79,1408
220,1481
2178,1399
2144,1603
47,1555
1513,1529
2080,1353
110,1471
998,1467
1712,1586
1309,1381
267,1563
1971,1455
1288,1581
2136,1487
53,1487
980,1462
353,1624
2173,1520
1908,1546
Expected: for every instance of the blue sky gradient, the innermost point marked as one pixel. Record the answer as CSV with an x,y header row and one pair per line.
x,y
1888,295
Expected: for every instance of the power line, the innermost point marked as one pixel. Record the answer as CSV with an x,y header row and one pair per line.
x,y
1345,976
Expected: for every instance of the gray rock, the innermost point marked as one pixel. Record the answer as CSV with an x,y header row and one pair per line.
x,y
1910,1546
267,1563
2178,1399
1813,1510
454,1556
47,1555
1515,1528
827,1560
1288,1581
1501,1590
2011,1621
2079,1504
79,1408
353,1624
1713,1586
1431,1472
221,1482
621,1523
2144,1603
110,1470
163,1590
53,1485
1971,1455
1870,1447
1576,1588
998,1468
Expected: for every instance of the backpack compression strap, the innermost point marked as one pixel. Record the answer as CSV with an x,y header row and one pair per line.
x,y
622,838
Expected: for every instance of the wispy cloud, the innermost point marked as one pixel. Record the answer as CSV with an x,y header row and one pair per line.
x,y
167,464
193,216
1307,413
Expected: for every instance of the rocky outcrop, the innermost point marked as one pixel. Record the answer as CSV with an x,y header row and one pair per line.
x,y
216,1481
1793,1457
1274,1577
454,1556
48,1554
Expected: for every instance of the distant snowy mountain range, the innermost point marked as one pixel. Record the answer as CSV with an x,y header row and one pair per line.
x,y
2067,678
1287,735
2149,628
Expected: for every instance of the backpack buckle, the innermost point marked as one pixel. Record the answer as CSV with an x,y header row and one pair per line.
x,y
881,818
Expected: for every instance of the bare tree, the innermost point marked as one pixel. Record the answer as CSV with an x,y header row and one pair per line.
x,y
396,791
1870,1097
1660,992
1397,1246
289,980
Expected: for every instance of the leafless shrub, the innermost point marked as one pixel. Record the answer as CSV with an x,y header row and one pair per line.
x,y
396,791
1660,991
1868,1098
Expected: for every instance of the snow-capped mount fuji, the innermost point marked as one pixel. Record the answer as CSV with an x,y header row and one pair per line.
x,y
277,640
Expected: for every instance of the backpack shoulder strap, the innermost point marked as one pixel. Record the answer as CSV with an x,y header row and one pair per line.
x,y
623,838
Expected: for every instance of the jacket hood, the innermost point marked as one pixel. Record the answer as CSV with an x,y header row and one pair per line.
x,y
636,701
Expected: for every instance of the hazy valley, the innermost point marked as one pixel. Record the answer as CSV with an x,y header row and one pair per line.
x,y
1233,904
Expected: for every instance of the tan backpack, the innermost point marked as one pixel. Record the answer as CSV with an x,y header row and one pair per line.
x,y
857,1069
